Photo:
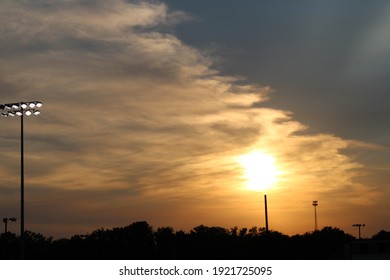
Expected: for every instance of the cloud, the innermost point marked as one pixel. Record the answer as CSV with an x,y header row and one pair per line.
x,y
369,57
134,119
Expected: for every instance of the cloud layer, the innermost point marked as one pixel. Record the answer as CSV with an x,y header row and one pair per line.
x,y
138,125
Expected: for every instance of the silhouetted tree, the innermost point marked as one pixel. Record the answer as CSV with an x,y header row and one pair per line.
x,y
36,245
327,243
139,241
165,243
243,232
382,235
9,246
134,241
209,242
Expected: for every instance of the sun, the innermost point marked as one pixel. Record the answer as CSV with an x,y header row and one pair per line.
x,y
260,170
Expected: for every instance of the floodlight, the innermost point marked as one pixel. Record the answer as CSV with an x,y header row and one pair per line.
x,y
18,109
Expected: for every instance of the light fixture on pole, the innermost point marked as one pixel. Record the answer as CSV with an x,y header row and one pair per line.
x,y
359,226
315,203
20,109
5,221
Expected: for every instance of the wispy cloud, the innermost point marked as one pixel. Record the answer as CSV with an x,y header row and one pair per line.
x,y
134,120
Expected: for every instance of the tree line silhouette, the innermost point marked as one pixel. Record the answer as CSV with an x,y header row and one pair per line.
x,y
139,241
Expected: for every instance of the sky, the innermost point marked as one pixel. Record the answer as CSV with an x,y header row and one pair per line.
x,y
154,110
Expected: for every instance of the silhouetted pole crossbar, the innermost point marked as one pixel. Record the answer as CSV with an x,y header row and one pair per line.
x,y
20,109
266,213
359,226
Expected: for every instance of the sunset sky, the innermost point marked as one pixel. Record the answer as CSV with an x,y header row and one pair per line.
x,y
174,111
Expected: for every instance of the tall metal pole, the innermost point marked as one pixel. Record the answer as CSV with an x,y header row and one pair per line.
x,y
266,213
315,203
359,226
12,110
21,188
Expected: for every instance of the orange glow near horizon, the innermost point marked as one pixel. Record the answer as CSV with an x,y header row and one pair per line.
x,y
260,170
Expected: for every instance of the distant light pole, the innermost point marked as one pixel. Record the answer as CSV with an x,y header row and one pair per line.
x,y
20,109
5,220
315,203
359,226
266,214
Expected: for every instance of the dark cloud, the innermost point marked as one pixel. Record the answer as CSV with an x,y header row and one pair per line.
x,y
307,51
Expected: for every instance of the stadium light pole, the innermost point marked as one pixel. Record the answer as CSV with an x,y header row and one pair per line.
x,y
359,226
20,109
5,221
315,203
